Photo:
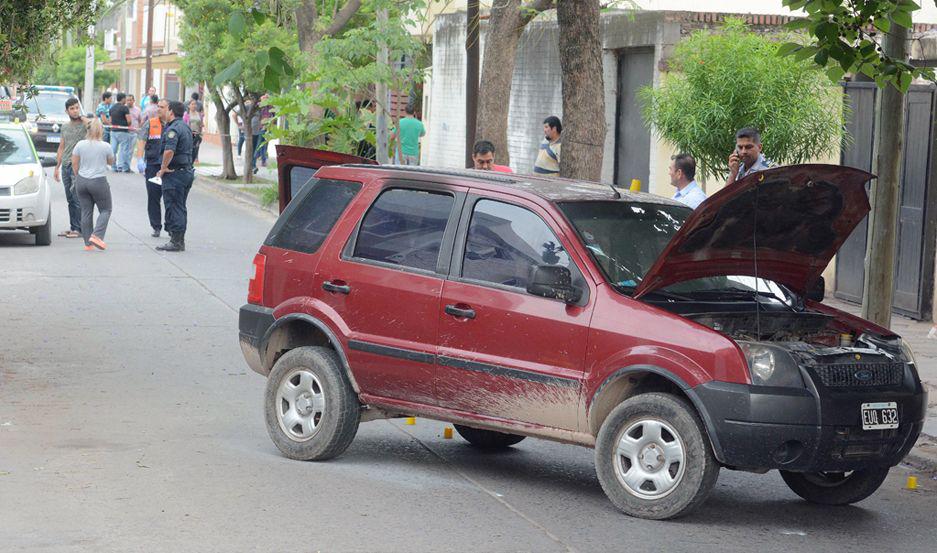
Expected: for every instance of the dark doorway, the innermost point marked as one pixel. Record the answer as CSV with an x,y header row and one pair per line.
x,y
914,267
632,139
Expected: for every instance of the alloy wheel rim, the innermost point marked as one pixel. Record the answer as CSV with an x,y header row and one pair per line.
x,y
300,405
649,459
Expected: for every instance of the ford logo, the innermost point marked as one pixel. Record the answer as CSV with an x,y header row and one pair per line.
x,y
863,375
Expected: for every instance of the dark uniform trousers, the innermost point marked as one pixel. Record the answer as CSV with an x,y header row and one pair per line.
x,y
154,193
176,186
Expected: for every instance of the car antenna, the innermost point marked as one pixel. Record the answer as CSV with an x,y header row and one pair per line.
x,y
615,190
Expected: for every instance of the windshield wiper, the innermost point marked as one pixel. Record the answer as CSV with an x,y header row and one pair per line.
x,y
735,292
659,293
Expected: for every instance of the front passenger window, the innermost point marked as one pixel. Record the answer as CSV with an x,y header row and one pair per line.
x,y
506,242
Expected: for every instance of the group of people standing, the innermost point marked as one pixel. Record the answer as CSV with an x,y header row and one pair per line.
x,y
167,148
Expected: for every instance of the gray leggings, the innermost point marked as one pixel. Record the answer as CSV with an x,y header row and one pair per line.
x,y
93,192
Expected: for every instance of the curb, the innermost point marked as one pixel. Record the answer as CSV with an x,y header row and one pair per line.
x,y
923,456
233,193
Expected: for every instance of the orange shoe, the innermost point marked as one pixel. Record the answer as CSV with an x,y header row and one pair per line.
x,y
89,247
97,242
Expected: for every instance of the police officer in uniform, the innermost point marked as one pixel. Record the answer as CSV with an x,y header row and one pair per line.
x,y
176,172
150,153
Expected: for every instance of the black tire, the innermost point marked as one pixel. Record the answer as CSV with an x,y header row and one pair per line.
x,y
337,412
488,440
43,233
690,480
836,488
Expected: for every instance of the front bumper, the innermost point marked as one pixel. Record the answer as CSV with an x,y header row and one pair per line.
x,y
253,323
31,210
809,430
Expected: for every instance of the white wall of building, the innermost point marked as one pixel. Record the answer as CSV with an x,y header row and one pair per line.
x,y
927,13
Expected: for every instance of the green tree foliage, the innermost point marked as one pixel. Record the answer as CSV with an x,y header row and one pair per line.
x,y
846,38
344,72
67,67
28,28
730,78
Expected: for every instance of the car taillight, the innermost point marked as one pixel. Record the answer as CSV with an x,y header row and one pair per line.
x,y
255,290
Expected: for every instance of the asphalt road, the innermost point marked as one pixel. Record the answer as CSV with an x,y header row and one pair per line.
x,y
130,422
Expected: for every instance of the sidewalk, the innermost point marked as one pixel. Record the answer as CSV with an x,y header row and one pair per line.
x,y
209,156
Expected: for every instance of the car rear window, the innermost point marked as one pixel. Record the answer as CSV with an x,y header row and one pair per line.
x,y
405,227
311,215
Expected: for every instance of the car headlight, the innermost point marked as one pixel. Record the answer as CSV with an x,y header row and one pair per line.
x,y
907,354
29,185
32,126
771,365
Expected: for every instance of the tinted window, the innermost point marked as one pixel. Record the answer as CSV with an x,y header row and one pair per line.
x,y
506,242
405,227
299,177
310,218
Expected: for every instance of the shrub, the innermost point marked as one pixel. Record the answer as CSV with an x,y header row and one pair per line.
x,y
723,80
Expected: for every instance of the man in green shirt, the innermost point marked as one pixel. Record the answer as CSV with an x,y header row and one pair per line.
x,y
409,131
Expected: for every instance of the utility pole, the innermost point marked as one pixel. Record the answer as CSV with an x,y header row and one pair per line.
x,y
123,47
878,291
471,78
381,93
88,100
149,45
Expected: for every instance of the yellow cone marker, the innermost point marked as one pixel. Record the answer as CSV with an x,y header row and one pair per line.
x,y
912,482
447,433
410,421
635,185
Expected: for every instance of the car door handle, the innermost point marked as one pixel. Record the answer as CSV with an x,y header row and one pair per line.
x,y
460,310
338,286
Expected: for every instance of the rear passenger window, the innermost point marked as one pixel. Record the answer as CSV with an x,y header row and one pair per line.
x,y
299,177
405,227
311,216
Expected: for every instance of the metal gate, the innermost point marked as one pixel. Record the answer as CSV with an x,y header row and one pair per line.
x,y
632,137
914,266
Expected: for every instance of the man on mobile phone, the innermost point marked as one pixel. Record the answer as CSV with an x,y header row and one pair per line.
x,y
747,157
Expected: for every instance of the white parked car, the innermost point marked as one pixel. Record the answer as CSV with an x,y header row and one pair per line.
x,y
25,198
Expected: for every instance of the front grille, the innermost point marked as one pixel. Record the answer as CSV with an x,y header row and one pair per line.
x,y
850,375
8,215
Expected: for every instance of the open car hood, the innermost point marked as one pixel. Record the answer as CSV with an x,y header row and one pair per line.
x,y
783,224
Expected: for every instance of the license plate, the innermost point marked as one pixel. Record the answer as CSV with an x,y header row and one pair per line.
x,y
879,416
54,139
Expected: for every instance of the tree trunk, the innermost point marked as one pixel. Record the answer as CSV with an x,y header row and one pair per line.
x,y
306,16
248,145
878,291
583,89
223,119
505,27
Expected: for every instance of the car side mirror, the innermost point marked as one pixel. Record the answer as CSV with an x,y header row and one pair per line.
x,y
817,291
551,281
47,161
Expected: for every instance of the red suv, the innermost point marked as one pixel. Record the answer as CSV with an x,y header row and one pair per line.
x,y
674,342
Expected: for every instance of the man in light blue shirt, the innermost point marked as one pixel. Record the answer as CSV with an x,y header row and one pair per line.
x,y
682,175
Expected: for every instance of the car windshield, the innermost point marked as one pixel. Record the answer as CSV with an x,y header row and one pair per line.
x,y
47,103
15,148
626,238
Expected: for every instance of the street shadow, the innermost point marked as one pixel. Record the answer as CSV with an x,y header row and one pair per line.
x,y
17,239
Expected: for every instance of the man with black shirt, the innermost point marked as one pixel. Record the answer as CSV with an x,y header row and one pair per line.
x,y
176,173
121,137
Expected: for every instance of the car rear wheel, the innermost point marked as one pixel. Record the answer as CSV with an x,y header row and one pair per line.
x,y
311,410
43,233
653,457
835,488
487,439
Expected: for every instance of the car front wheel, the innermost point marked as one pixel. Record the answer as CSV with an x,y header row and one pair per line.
x,y
835,488
44,233
653,457
311,410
